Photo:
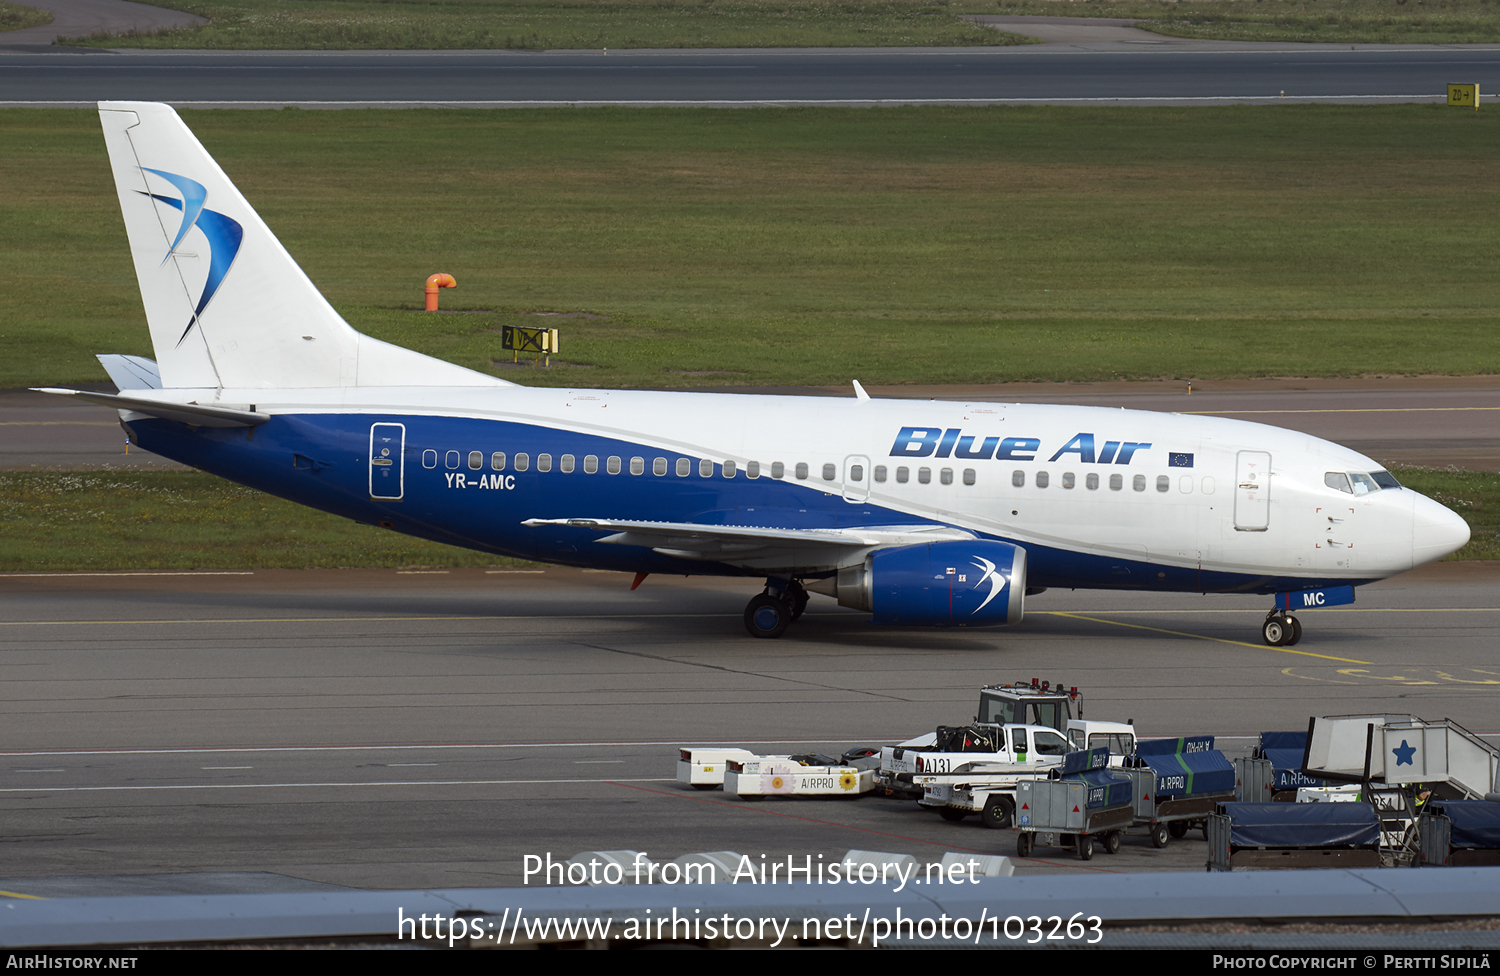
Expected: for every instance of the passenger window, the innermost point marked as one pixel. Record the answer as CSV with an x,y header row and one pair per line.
x,y
544,462
1163,482
903,475
968,476
566,464
659,467
924,476
497,461
728,468
1018,478
476,460
752,470
946,476
856,472
1067,481
1042,479
684,467
1208,486
801,470
705,468
1138,482
778,470
612,465
429,459
637,465
830,472
880,473
451,460
590,464
522,462
1091,482
1116,482
1185,484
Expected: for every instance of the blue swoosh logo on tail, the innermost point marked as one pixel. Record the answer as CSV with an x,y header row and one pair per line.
x,y
224,235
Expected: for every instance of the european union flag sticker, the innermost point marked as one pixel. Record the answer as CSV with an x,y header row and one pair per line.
x,y
1180,460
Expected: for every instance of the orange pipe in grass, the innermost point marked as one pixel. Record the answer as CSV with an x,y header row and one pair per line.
x,y
434,282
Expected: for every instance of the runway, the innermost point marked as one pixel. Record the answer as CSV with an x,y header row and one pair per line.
x,y
282,730
1116,72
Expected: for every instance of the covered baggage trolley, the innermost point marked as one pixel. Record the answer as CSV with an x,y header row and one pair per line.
x,y
1179,783
1460,833
1274,769
1082,799
1293,835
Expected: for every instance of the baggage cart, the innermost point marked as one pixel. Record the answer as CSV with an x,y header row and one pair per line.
x,y
1081,800
1179,783
1245,836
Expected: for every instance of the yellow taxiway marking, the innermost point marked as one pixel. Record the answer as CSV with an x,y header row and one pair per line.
x,y
17,894
1291,673
1220,640
1350,410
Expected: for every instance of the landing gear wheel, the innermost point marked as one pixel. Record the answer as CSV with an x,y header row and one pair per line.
x,y
766,616
1158,835
1111,842
1178,829
952,814
1084,844
1025,843
1277,630
1296,631
997,812
796,598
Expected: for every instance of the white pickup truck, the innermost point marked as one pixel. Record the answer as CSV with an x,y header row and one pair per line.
x,y
1048,723
988,787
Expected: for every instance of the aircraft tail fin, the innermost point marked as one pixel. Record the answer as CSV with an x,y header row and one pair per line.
x,y
226,304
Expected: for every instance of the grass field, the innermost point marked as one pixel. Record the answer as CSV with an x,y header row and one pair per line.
x,y
188,520
808,246
581,24
13,16
432,24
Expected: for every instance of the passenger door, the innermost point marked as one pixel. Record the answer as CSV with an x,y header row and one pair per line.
x,y
387,461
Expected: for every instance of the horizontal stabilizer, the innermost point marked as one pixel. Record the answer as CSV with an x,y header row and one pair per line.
x,y
131,372
195,414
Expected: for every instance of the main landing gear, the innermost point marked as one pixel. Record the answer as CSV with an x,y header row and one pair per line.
x,y
1281,629
770,613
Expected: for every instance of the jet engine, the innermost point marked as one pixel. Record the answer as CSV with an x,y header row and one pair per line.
x,y
939,584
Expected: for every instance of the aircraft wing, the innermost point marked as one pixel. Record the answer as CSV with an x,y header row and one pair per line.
x,y
758,547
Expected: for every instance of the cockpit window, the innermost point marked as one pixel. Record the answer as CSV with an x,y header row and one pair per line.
x,y
1359,483
1337,480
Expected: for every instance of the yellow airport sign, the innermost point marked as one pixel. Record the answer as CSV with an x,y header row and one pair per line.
x,y
1464,96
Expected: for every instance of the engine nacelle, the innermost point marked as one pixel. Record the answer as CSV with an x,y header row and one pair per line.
x,y
939,584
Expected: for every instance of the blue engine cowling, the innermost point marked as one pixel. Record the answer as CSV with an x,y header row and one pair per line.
x,y
939,584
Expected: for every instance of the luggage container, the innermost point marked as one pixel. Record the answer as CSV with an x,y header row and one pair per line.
x,y
1081,800
1179,783
1274,770
1245,836
1460,833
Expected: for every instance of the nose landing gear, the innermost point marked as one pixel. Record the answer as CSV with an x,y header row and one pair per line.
x,y
1281,629
768,614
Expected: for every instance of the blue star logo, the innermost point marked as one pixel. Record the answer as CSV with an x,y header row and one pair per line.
x,y
1404,753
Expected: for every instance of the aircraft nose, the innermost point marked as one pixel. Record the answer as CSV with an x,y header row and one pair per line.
x,y
1436,531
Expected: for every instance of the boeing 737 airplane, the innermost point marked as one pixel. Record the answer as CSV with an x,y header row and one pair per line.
x,y
919,512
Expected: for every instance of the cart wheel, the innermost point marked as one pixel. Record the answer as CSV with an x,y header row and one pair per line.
x,y
1025,842
952,814
1085,846
997,812
1178,829
1111,842
1159,835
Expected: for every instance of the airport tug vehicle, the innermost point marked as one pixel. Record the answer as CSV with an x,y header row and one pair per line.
x,y
804,775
